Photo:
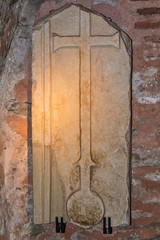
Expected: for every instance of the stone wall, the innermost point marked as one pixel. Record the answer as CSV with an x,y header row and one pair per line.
x,y
140,20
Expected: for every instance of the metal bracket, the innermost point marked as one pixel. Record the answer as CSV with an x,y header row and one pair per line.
x,y
60,227
109,229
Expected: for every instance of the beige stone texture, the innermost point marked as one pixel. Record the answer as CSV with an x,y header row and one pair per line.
x,y
80,119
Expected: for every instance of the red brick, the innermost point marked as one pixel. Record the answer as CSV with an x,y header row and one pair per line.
x,y
147,233
152,196
146,121
70,229
47,235
109,11
84,3
149,184
148,11
144,221
152,38
141,171
3,237
21,90
46,8
146,207
145,175
18,124
147,25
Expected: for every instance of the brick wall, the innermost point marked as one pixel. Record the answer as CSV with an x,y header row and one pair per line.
x,y
140,19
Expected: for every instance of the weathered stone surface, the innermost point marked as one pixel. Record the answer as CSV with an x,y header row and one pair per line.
x,y
81,119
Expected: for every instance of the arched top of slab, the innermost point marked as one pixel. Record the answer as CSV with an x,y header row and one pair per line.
x,y
100,25
81,69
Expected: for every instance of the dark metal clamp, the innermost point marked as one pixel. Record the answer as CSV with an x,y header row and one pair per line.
x,y
109,229
60,227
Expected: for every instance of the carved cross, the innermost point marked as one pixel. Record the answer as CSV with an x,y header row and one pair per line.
x,y
85,42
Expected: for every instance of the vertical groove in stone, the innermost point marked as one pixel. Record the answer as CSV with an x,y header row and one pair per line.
x,y
47,135
37,125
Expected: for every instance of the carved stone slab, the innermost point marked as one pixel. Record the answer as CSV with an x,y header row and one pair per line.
x,y
80,118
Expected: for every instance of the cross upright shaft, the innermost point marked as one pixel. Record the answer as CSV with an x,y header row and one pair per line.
x,y
84,42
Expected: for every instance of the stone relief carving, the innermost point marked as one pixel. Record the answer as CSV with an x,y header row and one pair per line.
x,y
81,117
